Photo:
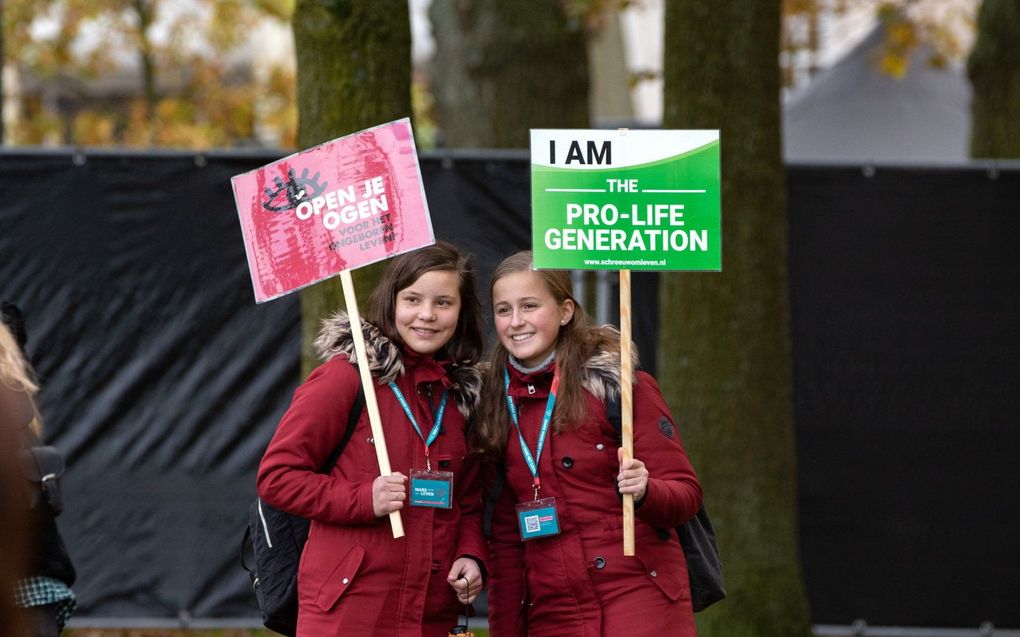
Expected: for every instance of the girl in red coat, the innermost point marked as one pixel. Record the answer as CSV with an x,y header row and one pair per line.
x,y
556,548
423,340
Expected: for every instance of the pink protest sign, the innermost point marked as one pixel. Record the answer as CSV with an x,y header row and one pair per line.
x,y
338,206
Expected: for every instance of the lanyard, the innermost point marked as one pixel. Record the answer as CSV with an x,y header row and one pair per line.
x,y
532,461
437,418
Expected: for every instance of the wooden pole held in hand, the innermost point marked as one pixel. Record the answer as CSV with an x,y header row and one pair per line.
x,y
626,405
368,384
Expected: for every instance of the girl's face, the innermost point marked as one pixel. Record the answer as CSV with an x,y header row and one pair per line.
x,y
527,316
427,311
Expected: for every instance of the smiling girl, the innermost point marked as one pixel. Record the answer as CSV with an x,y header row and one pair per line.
x,y
556,544
423,341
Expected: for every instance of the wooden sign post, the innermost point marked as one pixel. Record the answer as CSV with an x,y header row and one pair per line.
x,y
626,200
626,405
344,204
368,384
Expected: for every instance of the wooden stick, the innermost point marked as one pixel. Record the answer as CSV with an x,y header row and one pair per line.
x,y
368,384
626,405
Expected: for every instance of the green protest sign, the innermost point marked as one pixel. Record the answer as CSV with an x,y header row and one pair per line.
x,y
627,199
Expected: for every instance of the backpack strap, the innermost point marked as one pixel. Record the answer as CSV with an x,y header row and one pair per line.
x,y
614,414
491,498
352,423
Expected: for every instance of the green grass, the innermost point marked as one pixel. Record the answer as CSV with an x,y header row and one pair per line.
x,y
180,632
167,632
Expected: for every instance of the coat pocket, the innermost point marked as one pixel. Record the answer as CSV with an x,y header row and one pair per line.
x,y
340,579
668,572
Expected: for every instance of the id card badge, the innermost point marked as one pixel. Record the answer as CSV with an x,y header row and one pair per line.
x,y
431,489
538,518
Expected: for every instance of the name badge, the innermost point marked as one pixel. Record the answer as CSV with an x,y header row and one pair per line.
x,y
431,489
538,518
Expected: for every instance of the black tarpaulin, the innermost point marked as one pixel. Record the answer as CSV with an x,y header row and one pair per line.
x,y
163,380
161,377
905,289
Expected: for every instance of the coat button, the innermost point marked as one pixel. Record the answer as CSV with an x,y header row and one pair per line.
x,y
600,562
568,462
370,440
444,464
346,581
600,447
654,574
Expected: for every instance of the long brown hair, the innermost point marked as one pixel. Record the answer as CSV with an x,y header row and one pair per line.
x,y
465,348
576,342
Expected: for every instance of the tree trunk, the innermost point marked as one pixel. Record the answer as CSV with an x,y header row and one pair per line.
x,y
2,58
353,72
724,342
144,12
994,70
502,68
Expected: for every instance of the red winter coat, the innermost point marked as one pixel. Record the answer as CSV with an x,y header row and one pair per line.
x,y
578,583
354,577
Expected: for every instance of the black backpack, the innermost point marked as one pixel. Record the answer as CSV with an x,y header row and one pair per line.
x,y
704,566
276,540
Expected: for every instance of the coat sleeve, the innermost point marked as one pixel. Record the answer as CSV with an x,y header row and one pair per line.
x,y
470,540
308,433
508,590
673,495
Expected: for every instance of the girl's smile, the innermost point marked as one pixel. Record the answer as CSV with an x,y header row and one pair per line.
x,y
527,316
426,311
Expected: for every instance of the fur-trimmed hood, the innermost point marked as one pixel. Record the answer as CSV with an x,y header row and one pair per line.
x,y
385,362
602,370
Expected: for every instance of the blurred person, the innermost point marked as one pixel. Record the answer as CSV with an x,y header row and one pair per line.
x,y
44,590
13,540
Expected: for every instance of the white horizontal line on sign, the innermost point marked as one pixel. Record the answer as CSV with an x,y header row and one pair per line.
x,y
650,190
575,189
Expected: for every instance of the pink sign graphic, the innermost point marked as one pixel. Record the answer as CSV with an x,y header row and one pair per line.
x,y
338,206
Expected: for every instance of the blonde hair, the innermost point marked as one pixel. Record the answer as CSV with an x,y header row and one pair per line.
x,y
16,374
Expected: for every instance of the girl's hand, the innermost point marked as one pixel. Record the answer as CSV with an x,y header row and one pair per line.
x,y
388,494
466,579
633,477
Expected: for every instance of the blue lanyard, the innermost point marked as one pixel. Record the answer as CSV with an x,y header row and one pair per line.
x,y
437,418
550,402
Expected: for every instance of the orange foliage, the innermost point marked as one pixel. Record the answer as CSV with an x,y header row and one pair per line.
x,y
205,97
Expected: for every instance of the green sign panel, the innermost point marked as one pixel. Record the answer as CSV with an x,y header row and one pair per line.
x,y
626,200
